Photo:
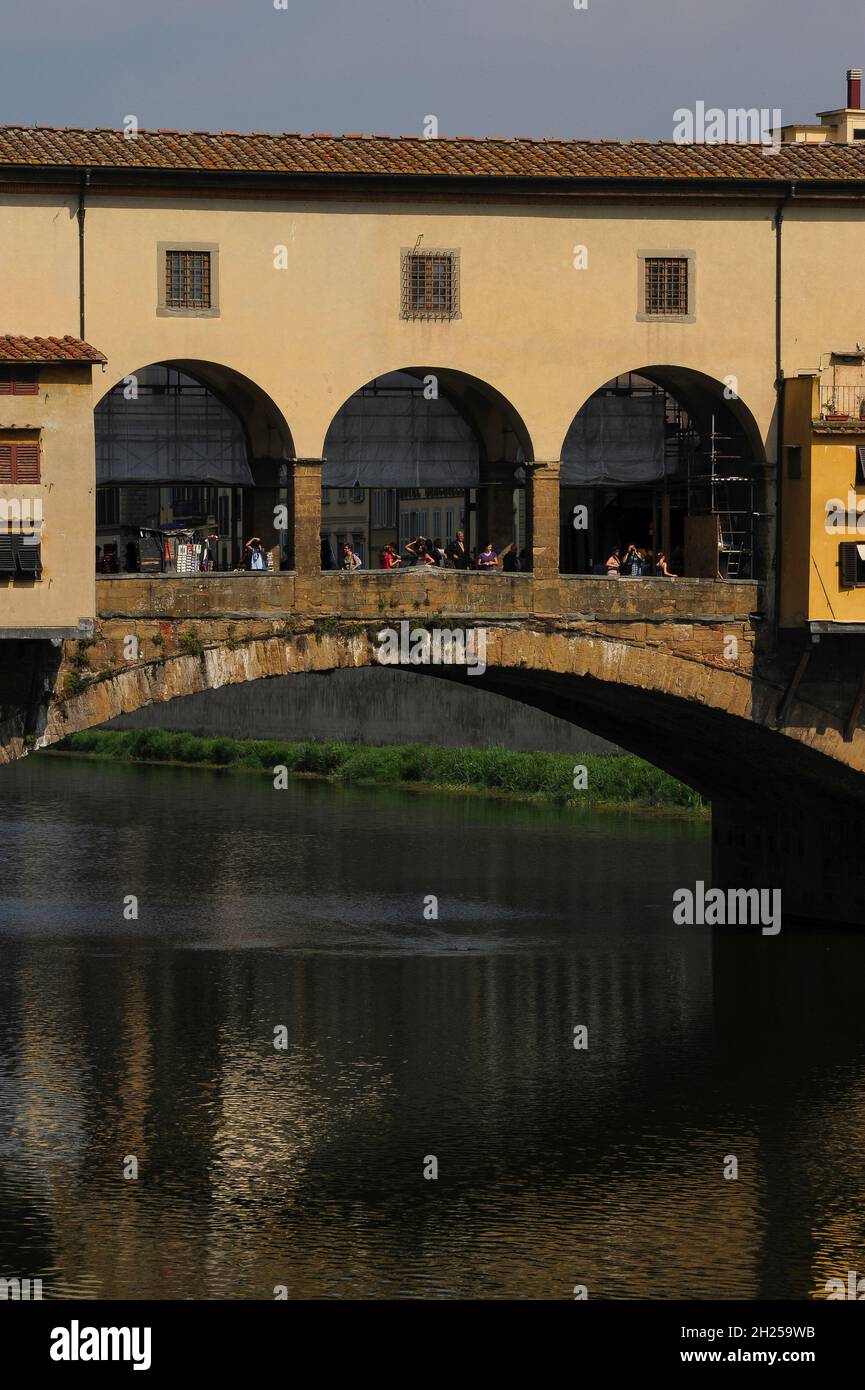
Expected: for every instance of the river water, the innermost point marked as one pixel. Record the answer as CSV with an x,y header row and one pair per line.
x,y
298,917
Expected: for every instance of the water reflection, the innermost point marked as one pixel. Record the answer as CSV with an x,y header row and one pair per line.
x,y
405,1038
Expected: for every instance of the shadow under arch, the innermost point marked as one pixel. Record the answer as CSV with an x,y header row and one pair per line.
x,y
429,455
697,392
267,432
693,449
480,404
189,450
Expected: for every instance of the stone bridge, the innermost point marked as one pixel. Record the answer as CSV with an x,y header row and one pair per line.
x,y
686,673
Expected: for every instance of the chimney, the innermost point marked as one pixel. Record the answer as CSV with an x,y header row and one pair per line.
x,y
854,89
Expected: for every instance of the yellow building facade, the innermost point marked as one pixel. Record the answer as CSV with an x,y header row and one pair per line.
x,y
553,250
47,487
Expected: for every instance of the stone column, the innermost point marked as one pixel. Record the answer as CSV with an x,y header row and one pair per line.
x,y
544,521
306,519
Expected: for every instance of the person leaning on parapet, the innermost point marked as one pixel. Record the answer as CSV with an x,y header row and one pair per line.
x,y
418,551
662,569
390,558
613,565
457,554
254,556
350,561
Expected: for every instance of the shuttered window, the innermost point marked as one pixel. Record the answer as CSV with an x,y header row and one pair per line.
x,y
187,279
20,556
19,381
851,565
28,554
7,555
19,463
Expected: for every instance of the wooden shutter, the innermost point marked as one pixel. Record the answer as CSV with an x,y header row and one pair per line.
x,y
25,465
848,564
5,463
29,556
7,554
23,382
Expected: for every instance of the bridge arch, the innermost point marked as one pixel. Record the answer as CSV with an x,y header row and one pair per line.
x,y
701,722
425,450
186,444
782,772
671,460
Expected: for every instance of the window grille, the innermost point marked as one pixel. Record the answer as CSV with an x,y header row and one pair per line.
x,y
187,279
667,285
430,285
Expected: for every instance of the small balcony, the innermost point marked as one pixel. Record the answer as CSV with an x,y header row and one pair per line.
x,y
842,404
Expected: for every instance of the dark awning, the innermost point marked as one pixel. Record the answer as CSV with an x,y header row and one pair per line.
x,y
400,439
615,439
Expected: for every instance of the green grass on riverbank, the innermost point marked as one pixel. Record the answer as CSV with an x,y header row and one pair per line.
x,y
548,777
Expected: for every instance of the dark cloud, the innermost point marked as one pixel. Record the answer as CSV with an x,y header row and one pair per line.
x,y
618,69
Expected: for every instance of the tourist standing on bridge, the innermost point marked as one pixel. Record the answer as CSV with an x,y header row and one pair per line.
x,y
255,556
208,553
488,559
390,558
634,562
613,565
457,554
350,561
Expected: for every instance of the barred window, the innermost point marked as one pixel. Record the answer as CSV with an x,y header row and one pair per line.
x,y
430,285
187,279
667,285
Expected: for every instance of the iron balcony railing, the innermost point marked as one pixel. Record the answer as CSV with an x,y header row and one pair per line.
x,y
842,402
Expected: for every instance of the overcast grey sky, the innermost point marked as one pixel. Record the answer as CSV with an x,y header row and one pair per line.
x,y
616,70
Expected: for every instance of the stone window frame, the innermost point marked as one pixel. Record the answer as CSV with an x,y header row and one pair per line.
x,y
163,310
667,253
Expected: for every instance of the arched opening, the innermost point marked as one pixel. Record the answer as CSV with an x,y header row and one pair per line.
x,y
192,459
663,470
417,459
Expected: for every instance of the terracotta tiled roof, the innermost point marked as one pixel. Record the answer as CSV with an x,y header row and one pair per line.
x,y
16,349
231,151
